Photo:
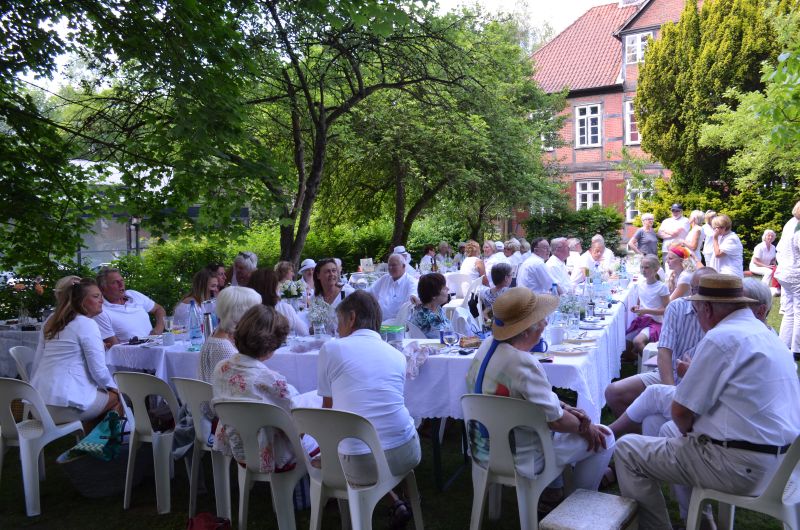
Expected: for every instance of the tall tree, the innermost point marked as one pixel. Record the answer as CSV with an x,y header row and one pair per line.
x,y
685,77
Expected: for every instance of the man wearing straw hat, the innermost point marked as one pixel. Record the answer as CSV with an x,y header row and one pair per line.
x,y
504,366
735,412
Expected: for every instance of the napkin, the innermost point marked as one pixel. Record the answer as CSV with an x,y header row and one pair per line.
x,y
416,356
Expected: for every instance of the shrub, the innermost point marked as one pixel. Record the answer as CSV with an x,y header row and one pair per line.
x,y
583,224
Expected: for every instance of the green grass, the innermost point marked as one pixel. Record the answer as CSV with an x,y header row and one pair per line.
x,y
63,508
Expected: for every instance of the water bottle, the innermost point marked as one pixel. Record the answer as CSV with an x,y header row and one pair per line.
x,y
195,328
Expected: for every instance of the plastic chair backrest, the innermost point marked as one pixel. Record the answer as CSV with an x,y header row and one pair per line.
x,y
474,287
777,485
193,393
23,357
249,417
501,415
402,313
331,426
455,282
464,323
139,386
414,332
12,389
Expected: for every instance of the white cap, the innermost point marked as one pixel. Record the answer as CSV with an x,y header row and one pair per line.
x,y
308,263
499,245
400,249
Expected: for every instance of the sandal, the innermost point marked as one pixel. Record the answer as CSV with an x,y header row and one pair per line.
x,y
399,515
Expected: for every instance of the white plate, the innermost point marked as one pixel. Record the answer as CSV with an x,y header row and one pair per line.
x,y
590,326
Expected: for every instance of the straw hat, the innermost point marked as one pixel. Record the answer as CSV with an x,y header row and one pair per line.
x,y
721,288
517,309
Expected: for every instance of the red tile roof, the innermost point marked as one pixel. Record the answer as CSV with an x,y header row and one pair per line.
x,y
586,54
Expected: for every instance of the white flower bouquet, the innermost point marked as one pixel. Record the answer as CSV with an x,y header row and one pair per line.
x,y
292,289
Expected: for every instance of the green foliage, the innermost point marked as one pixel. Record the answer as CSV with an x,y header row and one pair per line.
x,y
20,291
583,224
686,76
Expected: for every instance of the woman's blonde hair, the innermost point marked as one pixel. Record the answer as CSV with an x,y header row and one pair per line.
x,y
69,306
722,221
472,248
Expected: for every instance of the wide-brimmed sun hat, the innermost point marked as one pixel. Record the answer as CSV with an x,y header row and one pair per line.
x,y
722,288
518,309
308,263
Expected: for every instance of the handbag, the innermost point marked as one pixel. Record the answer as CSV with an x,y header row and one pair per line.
x,y
473,304
105,440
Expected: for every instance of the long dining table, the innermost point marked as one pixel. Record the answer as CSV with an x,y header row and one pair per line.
x,y
436,390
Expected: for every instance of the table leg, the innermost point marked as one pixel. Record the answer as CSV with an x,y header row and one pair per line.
x,y
438,472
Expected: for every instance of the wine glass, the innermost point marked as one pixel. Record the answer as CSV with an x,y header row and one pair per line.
x,y
450,338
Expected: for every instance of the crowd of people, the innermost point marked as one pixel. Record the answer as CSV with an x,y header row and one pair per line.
x,y
702,429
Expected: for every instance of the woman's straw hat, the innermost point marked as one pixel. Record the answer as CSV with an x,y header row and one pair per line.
x,y
721,288
517,309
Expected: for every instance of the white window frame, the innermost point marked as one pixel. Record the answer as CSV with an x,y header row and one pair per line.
x,y
630,123
586,118
635,45
588,193
631,196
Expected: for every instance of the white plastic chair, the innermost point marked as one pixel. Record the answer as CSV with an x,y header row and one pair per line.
x,y
650,350
500,415
138,387
31,436
403,312
464,323
194,393
329,427
455,282
414,332
23,358
474,287
248,418
781,498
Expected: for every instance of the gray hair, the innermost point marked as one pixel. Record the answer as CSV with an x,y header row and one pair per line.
x,y
600,238
574,243
248,259
524,246
768,231
232,303
756,290
512,244
557,242
103,274
648,215
398,256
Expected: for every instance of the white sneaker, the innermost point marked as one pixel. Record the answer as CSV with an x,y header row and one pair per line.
x,y
776,291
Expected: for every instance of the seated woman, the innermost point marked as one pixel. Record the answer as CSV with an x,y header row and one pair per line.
x,y
328,293
427,260
501,278
72,376
472,264
681,268
361,373
307,274
234,301
520,318
244,264
284,270
763,260
205,286
265,282
244,376
429,316
653,300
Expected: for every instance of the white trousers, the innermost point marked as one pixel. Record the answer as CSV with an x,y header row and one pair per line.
x,y
764,272
652,408
643,462
790,325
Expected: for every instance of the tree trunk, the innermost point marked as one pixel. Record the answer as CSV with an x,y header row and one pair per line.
x,y
398,237
475,228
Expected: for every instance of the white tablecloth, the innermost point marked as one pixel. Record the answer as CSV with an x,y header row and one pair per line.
x,y
437,391
10,338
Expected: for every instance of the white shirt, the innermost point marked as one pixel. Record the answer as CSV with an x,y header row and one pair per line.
x,y
754,391
126,320
491,261
296,323
788,253
534,275
650,296
587,262
558,271
573,260
426,262
364,375
761,252
708,243
731,262
670,224
469,266
391,294
73,366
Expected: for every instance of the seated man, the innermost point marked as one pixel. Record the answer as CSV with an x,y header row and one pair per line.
x,y
394,289
557,263
680,333
592,261
125,313
533,274
735,413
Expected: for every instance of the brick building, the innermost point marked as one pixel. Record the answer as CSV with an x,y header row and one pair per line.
x,y
597,59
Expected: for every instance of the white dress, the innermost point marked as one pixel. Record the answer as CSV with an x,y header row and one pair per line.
x,y
469,266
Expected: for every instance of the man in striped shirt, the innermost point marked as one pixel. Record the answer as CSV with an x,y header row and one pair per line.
x,y
680,333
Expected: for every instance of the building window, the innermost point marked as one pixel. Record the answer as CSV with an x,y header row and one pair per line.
x,y
548,142
635,46
589,193
632,197
587,126
631,125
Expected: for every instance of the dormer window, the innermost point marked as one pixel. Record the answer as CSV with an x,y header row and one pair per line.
x,y
635,46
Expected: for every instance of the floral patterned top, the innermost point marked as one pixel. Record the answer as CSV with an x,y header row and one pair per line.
x,y
244,378
428,322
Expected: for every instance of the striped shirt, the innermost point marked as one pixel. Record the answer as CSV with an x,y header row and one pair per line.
x,y
680,331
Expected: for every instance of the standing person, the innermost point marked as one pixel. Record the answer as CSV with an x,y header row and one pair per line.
x,y
735,412
362,374
205,286
672,229
645,240
243,266
763,260
125,312
472,264
72,376
708,238
696,236
788,274
728,249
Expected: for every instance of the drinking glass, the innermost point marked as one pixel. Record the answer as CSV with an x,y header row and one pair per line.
x,y
168,324
574,322
450,338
